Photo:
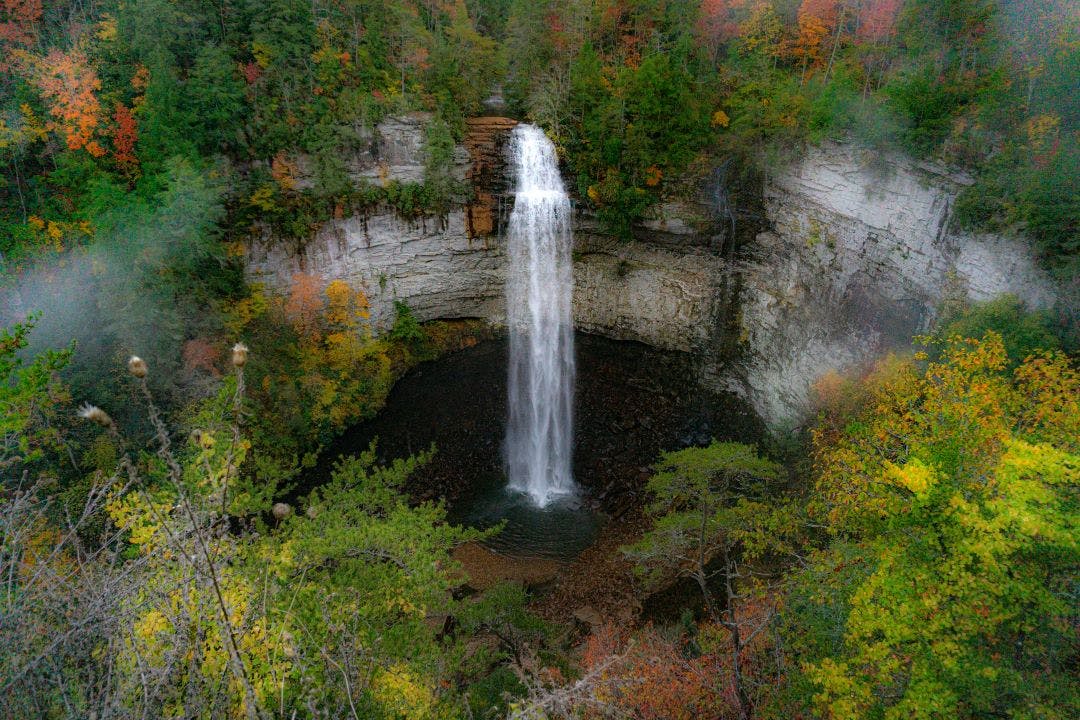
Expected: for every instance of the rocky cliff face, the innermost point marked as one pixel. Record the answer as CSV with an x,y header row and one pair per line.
x,y
663,288
448,267
856,258
433,266
392,151
491,203
659,291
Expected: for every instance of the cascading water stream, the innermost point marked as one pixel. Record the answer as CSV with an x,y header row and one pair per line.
x,y
539,289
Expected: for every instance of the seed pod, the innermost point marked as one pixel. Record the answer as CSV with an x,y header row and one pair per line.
x,y
239,355
280,511
137,367
95,415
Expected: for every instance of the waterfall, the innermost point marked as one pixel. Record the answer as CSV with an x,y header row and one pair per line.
x,y
539,287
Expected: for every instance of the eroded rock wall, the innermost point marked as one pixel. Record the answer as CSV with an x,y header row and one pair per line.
x,y
659,290
433,266
441,267
650,292
858,258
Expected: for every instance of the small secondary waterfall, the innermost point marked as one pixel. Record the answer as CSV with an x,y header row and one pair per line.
x,y
539,288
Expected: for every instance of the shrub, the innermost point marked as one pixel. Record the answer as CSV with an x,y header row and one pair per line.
x,y
406,327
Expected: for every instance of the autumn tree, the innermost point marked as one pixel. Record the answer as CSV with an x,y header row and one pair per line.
x,y
19,24
876,21
305,303
719,23
949,499
711,511
818,22
69,86
875,29
762,31
125,135
343,371
655,674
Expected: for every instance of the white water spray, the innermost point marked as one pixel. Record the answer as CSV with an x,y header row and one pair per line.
x,y
539,288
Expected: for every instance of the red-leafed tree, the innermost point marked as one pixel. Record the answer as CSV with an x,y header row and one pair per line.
x,y
18,30
877,20
827,11
651,675
68,85
251,72
125,134
876,27
718,22
200,354
18,26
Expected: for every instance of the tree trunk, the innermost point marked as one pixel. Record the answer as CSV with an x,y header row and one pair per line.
x,y
709,604
699,573
836,43
732,625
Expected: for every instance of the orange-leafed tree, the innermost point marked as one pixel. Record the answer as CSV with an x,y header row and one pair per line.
x,y
284,171
200,354
305,304
650,676
657,675
68,84
818,20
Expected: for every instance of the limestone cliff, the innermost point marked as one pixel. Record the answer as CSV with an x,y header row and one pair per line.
x,y
856,257
662,288
433,266
659,291
446,267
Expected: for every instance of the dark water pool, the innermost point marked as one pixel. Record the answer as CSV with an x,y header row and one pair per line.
x,y
632,401
558,531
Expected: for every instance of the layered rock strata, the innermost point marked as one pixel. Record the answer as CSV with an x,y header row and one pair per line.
x,y
856,258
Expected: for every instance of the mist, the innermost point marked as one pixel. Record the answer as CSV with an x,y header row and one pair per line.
x,y
131,290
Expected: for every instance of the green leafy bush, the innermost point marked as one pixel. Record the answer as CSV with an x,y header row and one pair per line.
x,y
406,328
1023,331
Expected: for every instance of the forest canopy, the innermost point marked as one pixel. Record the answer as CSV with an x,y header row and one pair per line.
x,y
139,133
